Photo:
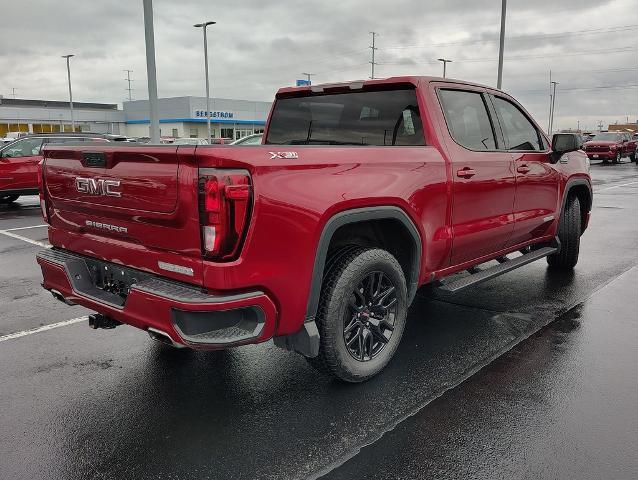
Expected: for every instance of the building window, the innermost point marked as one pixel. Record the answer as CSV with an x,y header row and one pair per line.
x,y
228,133
175,133
193,133
241,133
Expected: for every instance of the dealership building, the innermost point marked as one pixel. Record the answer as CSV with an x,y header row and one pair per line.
x,y
37,116
186,117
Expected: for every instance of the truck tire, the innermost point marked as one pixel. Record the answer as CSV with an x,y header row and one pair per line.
x,y
617,157
5,199
362,314
569,231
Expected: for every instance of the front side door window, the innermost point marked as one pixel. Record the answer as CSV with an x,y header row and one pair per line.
x,y
520,133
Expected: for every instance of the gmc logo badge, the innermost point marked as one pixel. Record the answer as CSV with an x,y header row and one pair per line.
x,y
92,186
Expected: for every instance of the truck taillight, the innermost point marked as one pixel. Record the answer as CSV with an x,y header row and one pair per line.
x,y
225,202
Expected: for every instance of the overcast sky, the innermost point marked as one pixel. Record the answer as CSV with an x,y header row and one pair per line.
x,y
259,45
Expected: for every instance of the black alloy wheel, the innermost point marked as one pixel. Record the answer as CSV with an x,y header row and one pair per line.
x,y
370,316
362,313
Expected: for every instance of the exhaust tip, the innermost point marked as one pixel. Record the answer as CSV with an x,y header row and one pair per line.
x,y
58,296
162,337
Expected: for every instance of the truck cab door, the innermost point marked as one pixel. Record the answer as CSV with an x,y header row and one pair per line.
x,y
483,181
537,181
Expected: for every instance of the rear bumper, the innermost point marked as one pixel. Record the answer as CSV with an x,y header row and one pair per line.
x,y
184,312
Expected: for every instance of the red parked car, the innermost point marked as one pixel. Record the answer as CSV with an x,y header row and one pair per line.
x,y
361,193
19,162
612,146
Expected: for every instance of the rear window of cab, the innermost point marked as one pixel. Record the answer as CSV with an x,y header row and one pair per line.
x,y
378,118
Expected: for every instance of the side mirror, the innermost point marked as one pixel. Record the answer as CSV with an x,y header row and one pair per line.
x,y
563,143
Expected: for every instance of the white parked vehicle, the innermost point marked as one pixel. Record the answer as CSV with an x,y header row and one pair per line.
x,y
12,136
190,141
254,139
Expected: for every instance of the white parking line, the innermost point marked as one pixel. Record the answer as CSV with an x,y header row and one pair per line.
x,y
24,239
24,228
615,186
43,328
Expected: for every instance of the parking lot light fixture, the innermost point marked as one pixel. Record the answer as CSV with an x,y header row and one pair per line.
x,y
203,27
68,74
445,62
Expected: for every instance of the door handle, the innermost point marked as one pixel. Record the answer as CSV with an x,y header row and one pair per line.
x,y
466,172
523,169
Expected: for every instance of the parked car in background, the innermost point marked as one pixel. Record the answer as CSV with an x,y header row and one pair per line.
x,y
221,141
254,139
612,146
19,161
113,137
12,136
190,141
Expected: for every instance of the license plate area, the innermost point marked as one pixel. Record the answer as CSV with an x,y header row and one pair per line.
x,y
113,278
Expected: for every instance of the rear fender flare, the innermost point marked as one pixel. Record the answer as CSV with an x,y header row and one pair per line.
x,y
355,216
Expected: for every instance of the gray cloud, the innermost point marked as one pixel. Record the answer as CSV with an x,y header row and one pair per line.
x,y
259,46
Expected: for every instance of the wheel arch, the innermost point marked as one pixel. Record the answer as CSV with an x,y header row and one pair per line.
x,y
582,189
364,217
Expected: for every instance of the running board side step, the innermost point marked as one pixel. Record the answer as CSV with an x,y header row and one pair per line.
x,y
492,272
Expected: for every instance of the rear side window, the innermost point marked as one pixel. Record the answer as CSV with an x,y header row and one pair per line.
x,y
519,131
379,118
467,119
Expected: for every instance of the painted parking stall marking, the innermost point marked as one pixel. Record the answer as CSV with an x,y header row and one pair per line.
x,y
9,233
44,328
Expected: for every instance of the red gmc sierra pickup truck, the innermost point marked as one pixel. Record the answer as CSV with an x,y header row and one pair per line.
x,y
611,146
361,193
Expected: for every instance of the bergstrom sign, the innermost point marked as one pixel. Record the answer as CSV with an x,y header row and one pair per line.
x,y
213,115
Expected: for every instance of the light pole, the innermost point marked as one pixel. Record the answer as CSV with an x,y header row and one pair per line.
x,y
551,118
445,62
373,49
308,75
203,27
128,80
68,74
151,74
499,82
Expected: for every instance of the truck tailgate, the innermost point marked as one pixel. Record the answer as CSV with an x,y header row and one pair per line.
x,y
128,204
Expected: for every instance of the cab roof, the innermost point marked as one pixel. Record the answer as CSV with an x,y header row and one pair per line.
x,y
380,82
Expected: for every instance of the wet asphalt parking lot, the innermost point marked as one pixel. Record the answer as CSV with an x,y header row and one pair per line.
x,y
530,375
